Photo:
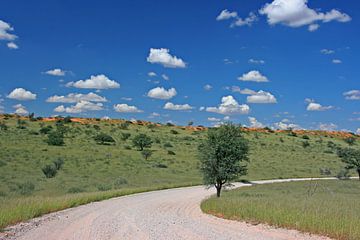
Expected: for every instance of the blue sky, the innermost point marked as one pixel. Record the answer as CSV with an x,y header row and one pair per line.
x,y
259,63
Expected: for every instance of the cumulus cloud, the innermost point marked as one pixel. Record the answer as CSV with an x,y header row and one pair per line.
x,y
229,106
286,125
358,131
237,21
95,82
165,77
327,126
177,107
20,109
56,72
82,106
336,61
124,108
162,93
162,56
255,61
127,98
296,13
313,106
77,97
261,97
21,94
208,87
12,45
5,29
253,76
244,91
254,123
327,51
152,74
352,95
213,119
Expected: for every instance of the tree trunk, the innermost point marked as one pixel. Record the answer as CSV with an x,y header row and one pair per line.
x,y
218,190
358,170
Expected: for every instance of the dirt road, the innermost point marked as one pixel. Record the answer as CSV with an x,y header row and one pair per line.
x,y
166,214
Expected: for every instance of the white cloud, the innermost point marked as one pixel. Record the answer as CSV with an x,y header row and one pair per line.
x,y
313,106
162,56
152,74
253,76
313,27
56,72
124,108
226,14
261,97
96,82
358,131
255,61
352,95
327,51
229,106
208,87
165,77
248,21
296,13
154,115
244,91
20,109
12,45
336,61
201,108
213,119
127,98
82,106
327,126
21,94
77,97
5,28
177,107
255,123
286,126
226,118
162,93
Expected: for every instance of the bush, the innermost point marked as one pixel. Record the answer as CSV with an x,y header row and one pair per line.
x,y
3,126
173,131
343,174
124,125
55,138
171,152
350,140
58,163
127,147
125,136
157,140
160,165
168,145
146,154
325,171
292,134
169,124
97,127
103,139
26,188
45,130
103,187
119,182
142,141
305,137
49,170
305,144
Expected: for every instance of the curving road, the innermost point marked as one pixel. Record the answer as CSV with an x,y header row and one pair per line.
x,y
166,214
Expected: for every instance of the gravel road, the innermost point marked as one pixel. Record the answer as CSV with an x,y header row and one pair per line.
x,y
166,214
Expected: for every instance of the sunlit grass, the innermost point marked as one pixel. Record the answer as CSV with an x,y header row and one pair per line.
x,y
328,207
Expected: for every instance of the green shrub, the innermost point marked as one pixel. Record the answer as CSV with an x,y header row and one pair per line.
x,y
104,139
171,152
49,170
75,190
104,187
3,126
146,154
127,147
343,174
142,141
25,188
173,131
160,165
125,136
124,125
305,137
350,140
58,163
55,138
45,130
119,182
305,144
168,145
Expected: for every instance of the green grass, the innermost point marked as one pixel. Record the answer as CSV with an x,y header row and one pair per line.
x,y
93,168
326,207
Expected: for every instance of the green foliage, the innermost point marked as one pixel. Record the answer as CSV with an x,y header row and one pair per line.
x,y
142,141
46,130
343,174
55,138
124,125
104,139
3,126
222,155
21,124
173,131
26,188
125,136
305,144
146,153
351,157
58,163
166,145
350,140
49,170
171,152
305,137
76,190
120,182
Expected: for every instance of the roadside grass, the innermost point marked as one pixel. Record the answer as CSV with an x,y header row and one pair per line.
x,y
24,208
326,207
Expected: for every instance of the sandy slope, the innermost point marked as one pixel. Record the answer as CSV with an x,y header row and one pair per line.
x,y
165,214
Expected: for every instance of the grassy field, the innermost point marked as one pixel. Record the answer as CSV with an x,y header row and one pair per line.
x,y
326,207
98,169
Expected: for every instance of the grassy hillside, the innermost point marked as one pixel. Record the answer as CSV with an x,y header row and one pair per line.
x,y
328,207
90,167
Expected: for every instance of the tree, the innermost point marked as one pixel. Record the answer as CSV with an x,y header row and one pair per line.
x,y
350,140
103,139
146,154
142,141
190,123
55,138
351,157
223,155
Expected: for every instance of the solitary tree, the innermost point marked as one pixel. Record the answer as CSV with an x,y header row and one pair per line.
x,y
103,138
146,154
223,156
351,157
350,140
142,141
55,138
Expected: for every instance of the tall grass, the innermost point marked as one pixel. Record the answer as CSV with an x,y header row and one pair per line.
x,y
330,208
13,210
